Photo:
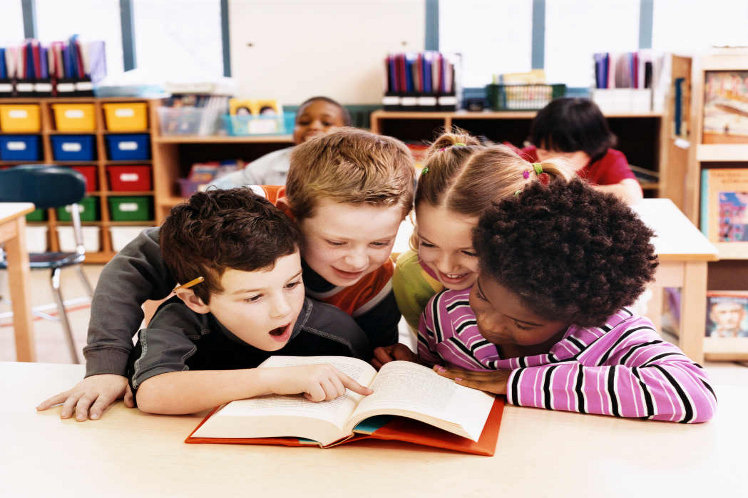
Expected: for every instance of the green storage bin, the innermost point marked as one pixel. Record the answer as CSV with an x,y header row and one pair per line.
x,y
135,208
37,215
89,210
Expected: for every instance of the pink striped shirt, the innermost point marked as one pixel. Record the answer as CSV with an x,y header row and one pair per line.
x,y
623,368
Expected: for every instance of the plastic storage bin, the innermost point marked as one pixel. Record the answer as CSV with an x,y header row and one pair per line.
x,y
188,121
121,236
37,215
91,240
73,147
92,177
19,118
129,116
134,147
131,208
20,148
129,178
74,117
36,239
89,210
522,97
260,125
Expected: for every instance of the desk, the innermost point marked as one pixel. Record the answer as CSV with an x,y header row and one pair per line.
x,y
684,253
539,453
13,235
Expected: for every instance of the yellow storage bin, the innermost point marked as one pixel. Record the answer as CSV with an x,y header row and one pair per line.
x,y
74,117
19,118
126,116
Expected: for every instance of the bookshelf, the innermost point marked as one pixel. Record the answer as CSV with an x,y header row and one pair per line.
x,y
100,197
639,134
729,273
173,156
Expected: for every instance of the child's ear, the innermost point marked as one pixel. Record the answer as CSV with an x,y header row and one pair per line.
x,y
192,301
283,205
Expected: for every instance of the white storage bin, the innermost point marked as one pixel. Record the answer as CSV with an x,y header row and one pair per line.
x,y
90,239
36,238
121,236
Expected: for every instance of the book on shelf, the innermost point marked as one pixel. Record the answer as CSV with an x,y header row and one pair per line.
x,y
410,403
724,204
727,314
726,107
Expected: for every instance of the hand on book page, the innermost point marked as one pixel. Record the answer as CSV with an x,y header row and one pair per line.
x,y
400,388
315,382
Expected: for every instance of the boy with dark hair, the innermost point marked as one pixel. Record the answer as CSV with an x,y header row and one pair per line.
x,y
201,347
348,191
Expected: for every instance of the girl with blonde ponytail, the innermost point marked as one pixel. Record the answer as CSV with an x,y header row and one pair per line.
x,y
460,179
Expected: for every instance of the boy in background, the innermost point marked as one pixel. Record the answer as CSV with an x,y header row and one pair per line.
x,y
315,116
348,191
201,348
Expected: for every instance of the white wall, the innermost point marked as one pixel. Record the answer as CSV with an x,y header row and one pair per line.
x,y
303,48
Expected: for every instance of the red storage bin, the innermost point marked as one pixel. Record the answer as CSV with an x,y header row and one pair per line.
x,y
92,178
129,178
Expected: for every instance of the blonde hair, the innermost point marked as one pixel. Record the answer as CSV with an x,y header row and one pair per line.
x,y
470,178
350,166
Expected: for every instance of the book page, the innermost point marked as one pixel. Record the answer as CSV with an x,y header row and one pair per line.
x,y
408,389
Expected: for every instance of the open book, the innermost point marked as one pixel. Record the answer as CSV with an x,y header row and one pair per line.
x,y
401,389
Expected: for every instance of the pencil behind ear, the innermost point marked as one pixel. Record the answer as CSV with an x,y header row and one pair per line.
x,y
193,302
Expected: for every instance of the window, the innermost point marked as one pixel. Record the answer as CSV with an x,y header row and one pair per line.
x,y
576,29
179,38
688,26
91,19
493,37
11,23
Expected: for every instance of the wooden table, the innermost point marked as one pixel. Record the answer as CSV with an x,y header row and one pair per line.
x,y
539,453
13,235
684,253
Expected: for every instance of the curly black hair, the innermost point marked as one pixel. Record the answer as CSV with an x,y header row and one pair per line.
x,y
572,253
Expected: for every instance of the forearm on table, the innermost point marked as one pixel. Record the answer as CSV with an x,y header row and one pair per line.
x,y
191,391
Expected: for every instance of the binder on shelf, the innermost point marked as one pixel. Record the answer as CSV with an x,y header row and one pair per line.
x,y
423,81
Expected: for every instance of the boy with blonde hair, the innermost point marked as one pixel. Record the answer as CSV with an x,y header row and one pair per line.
x,y
348,191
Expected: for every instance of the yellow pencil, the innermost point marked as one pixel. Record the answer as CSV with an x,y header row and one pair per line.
x,y
189,284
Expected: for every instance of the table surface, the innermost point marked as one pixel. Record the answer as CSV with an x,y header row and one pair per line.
x,y
539,453
12,210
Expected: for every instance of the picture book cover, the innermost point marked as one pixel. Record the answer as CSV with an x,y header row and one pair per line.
x,y
724,204
727,314
411,403
726,107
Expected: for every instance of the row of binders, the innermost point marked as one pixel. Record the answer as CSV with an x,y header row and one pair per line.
x,y
59,69
627,69
421,81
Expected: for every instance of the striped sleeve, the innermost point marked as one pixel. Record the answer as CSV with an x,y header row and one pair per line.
x,y
629,372
427,333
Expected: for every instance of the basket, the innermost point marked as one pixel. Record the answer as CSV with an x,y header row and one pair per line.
x,y
260,125
522,97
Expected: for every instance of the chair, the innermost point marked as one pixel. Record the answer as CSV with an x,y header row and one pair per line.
x,y
50,187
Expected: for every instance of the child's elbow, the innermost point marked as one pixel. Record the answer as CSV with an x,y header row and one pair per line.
x,y
150,399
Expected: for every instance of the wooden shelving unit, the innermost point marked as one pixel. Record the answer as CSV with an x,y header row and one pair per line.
x,y
731,271
639,134
103,194
173,156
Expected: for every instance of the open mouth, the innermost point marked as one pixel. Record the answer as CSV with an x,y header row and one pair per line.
x,y
453,277
281,333
348,274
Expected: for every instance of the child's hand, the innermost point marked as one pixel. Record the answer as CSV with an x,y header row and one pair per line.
x,y
490,381
317,382
386,354
90,397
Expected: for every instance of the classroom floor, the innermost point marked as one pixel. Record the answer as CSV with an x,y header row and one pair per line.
x,y
50,341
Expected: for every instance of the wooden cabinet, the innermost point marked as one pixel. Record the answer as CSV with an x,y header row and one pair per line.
x,y
73,132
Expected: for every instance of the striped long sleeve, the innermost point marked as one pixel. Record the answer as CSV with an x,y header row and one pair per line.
x,y
623,369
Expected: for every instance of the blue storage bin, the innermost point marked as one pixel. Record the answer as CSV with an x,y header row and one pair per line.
x,y
134,147
73,147
20,148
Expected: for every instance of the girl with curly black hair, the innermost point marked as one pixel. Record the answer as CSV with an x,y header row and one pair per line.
x,y
546,323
